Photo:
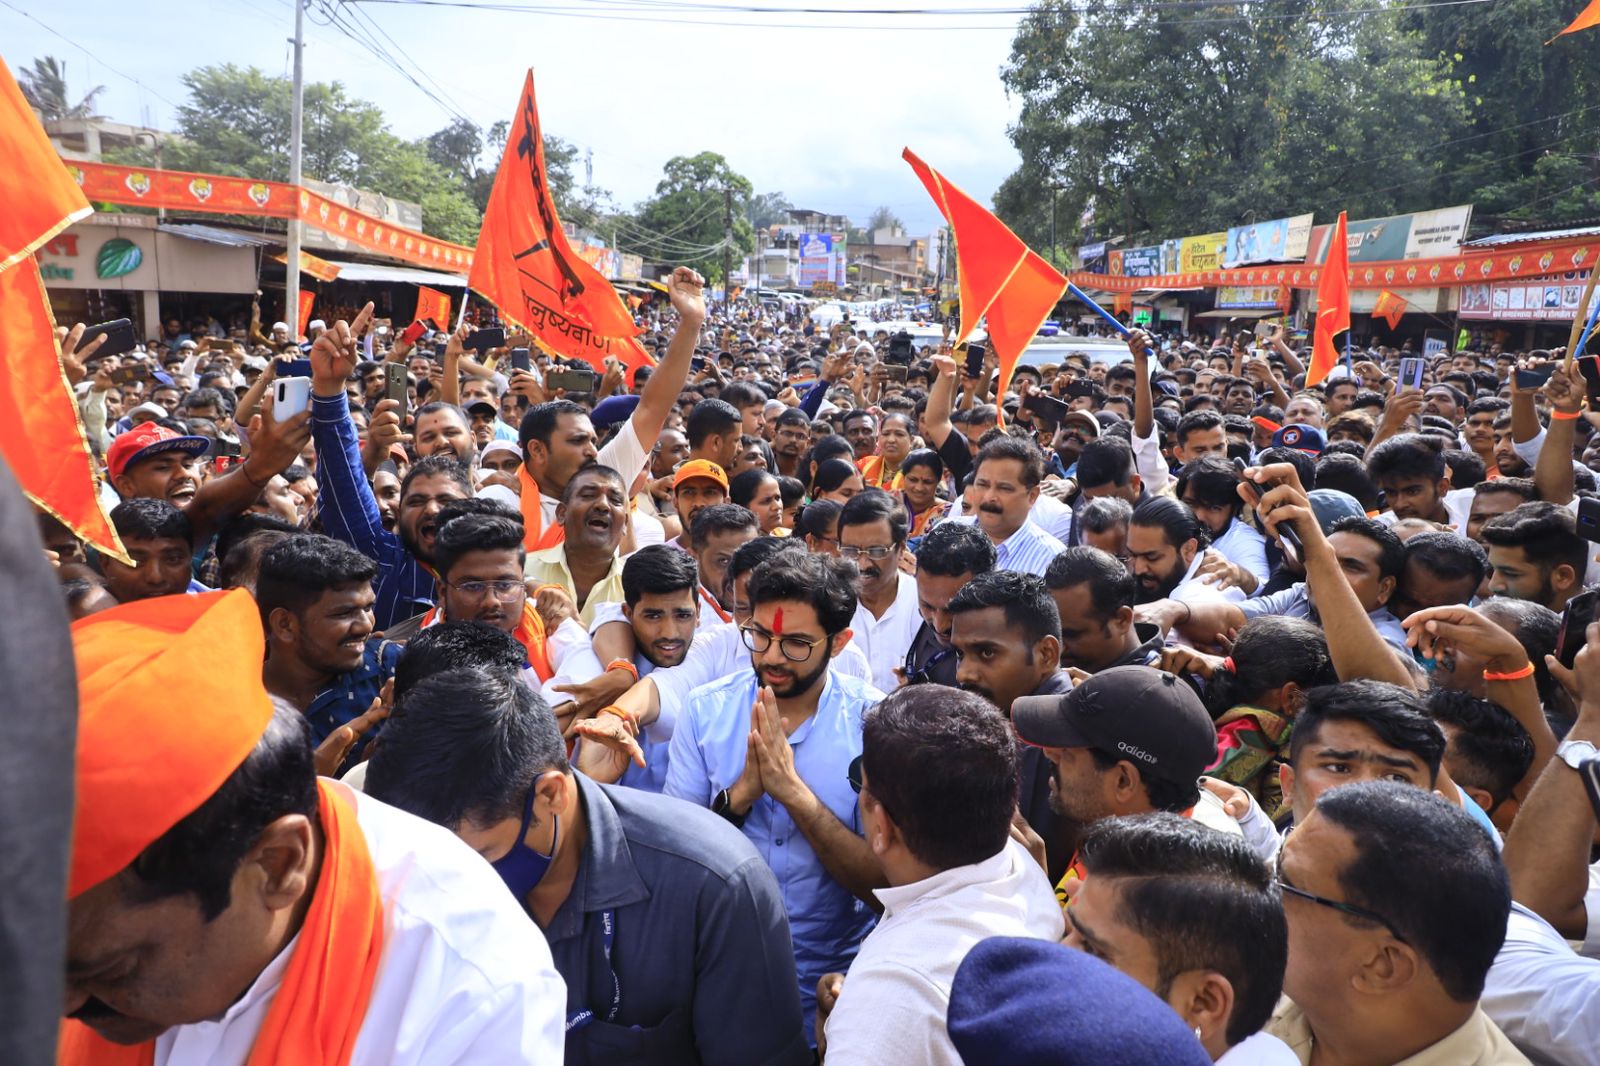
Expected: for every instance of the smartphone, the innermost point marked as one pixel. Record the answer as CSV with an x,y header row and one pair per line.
x,y
975,354
290,396
119,337
1535,378
573,381
1046,409
520,360
394,385
1589,519
413,333
1411,369
484,339
295,368
1575,625
225,449
1080,389
1589,365
895,371
1292,547
1263,328
1589,770
123,375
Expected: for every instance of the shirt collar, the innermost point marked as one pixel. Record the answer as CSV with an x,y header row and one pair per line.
x,y
990,871
607,877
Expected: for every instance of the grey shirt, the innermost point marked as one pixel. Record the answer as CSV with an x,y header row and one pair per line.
x,y
701,967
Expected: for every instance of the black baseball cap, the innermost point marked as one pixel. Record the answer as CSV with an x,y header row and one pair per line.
x,y
1139,713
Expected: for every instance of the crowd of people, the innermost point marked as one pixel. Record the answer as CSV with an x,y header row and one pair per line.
x,y
801,698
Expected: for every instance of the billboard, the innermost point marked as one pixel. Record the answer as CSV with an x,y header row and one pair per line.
x,y
1548,299
1171,255
1140,262
1248,298
1092,258
818,261
1426,234
1201,253
1280,240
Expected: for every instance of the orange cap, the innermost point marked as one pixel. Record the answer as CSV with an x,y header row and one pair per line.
x,y
700,468
170,701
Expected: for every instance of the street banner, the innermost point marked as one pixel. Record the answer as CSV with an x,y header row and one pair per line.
x,y
308,300
41,437
526,268
1333,306
320,269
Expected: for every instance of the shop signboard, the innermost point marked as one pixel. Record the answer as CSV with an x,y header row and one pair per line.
x,y
1202,253
1280,240
1554,298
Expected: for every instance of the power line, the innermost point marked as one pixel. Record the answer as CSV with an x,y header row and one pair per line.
x,y
127,77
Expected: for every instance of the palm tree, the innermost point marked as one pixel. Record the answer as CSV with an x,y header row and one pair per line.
x,y
45,86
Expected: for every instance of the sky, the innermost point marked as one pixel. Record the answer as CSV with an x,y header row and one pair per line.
x,y
817,106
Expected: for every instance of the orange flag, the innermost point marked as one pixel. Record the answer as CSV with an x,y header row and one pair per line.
x,y
1333,304
1589,17
1000,276
526,268
1391,305
431,303
308,300
41,436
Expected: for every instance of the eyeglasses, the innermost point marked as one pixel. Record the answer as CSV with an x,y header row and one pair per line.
x,y
503,590
1344,908
795,649
876,552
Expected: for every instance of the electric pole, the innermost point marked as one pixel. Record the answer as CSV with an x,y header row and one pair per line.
x,y
291,287
1052,225
727,248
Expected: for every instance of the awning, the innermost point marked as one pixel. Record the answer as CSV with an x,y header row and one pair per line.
x,y
398,275
1257,312
215,235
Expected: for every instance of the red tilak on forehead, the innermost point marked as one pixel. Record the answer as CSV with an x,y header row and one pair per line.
x,y
777,621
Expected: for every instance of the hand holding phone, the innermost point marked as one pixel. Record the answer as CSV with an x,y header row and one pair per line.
x,y
119,337
394,385
1293,548
1575,621
482,340
1411,371
290,396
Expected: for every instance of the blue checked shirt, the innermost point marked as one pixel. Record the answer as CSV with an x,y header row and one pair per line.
x,y
709,744
1027,551
349,513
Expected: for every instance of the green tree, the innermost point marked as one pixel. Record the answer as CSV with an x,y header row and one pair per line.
x,y
768,209
686,220
1182,121
45,88
882,218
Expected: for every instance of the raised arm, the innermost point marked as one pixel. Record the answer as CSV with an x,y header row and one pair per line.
x,y
687,291
941,400
349,510
1552,475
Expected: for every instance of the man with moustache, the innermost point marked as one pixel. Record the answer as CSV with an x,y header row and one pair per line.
x,y
872,534
444,429
1005,486
593,515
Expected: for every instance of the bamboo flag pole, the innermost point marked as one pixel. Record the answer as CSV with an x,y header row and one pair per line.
x,y
1578,316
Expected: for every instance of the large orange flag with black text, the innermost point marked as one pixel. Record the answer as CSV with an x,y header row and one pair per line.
x,y
1000,276
40,434
1333,305
526,268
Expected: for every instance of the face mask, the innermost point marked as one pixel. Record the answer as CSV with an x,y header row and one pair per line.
x,y
522,868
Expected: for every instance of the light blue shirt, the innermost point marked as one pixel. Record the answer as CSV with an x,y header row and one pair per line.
x,y
1027,551
652,777
1295,602
709,744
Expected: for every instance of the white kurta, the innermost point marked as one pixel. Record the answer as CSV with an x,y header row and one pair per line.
x,y
466,976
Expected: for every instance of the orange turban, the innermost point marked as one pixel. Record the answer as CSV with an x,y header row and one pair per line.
x,y
170,701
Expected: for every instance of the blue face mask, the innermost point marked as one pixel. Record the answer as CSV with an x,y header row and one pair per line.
x,y
522,868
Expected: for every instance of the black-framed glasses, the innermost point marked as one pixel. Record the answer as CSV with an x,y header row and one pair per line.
x,y
796,649
1338,905
876,552
503,590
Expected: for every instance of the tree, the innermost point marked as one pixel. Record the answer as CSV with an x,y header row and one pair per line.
x,y
882,218
768,209
686,221
1183,121
45,87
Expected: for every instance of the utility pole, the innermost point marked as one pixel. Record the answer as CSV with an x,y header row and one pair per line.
x,y
291,276
727,248
941,263
1052,225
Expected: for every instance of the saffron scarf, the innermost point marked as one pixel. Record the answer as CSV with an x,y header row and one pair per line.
x,y
873,472
318,1010
535,537
529,633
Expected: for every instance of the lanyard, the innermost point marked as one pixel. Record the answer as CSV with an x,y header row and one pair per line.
x,y
711,603
578,1019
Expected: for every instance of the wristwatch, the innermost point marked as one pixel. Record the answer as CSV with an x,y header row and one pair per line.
x,y
1576,752
722,804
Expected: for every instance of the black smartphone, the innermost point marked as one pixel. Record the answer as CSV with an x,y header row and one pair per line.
x,y
295,368
394,385
1046,409
222,448
1292,547
1535,378
119,337
578,382
124,375
521,361
895,371
1589,365
482,340
697,362
1589,770
1080,389
1589,519
1575,625
975,354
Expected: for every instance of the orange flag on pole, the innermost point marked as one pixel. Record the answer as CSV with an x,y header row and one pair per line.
x,y
308,300
1390,306
1590,16
41,436
526,268
431,303
1333,305
1000,276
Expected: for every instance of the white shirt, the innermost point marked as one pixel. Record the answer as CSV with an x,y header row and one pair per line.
x,y
465,977
571,657
1192,590
1259,1049
623,453
886,640
897,992
1545,998
1591,904
1246,548
1052,516
715,653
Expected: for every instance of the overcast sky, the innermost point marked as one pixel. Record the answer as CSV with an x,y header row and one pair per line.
x,y
817,106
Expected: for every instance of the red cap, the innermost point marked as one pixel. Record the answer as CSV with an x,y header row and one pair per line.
x,y
144,441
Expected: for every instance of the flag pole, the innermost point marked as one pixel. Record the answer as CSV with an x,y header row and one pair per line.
x,y
1573,342
1111,319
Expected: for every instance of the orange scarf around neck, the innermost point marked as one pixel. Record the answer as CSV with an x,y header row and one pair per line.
x,y
318,1010
529,633
535,537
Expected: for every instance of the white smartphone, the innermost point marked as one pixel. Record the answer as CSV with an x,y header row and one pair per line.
x,y
290,396
1411,370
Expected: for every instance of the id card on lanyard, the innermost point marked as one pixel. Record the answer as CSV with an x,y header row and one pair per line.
x,y
608,932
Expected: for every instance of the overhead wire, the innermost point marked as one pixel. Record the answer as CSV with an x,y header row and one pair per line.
x,y
57,33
